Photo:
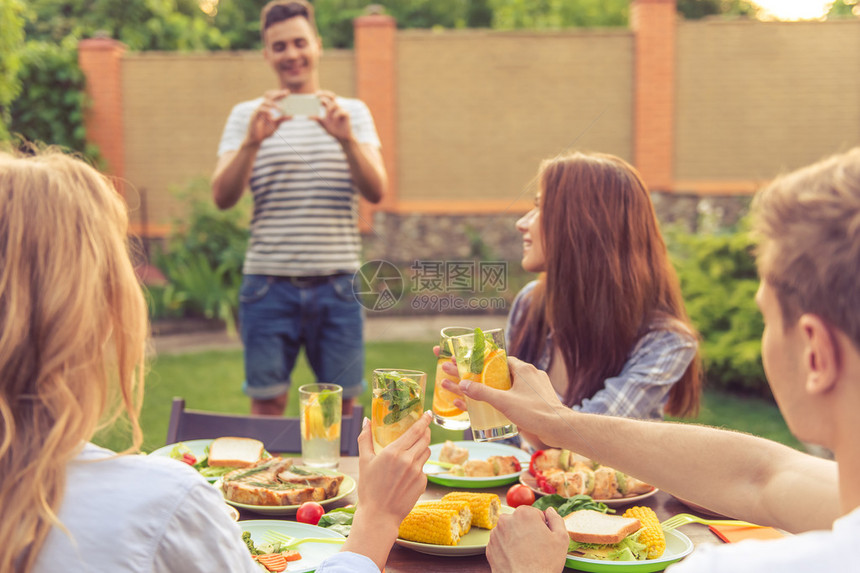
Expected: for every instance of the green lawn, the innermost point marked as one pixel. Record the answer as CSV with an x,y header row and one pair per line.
x,y
212,381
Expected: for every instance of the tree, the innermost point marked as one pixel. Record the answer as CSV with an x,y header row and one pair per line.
x,y
554,14
844,9
11,40
695,9
149,25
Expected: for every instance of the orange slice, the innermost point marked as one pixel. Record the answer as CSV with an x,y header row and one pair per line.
x,y
333,432
496,374
443,402
380,409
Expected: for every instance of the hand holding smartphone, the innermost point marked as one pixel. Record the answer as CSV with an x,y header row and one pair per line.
x,y
306,105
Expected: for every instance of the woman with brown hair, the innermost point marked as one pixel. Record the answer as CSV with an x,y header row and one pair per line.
x,y
605,318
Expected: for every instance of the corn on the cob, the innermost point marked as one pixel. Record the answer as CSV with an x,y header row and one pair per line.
x,y
651,533
462,508
485,507
436,526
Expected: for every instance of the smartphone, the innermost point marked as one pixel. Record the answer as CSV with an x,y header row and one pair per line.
x,y
302,104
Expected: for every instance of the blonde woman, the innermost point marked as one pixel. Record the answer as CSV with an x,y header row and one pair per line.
x,y
73,329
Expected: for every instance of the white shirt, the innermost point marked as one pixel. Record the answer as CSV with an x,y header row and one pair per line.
x,y
830,551
347,562
140,513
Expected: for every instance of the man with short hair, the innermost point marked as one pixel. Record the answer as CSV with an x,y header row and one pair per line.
x,y
305,173
808,229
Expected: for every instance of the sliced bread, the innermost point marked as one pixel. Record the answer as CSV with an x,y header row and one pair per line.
x,y
589,526
235,452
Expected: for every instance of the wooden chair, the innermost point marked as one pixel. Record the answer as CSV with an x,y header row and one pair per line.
x,y
278,434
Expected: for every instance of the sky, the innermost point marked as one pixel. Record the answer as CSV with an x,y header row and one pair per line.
x,y
796,9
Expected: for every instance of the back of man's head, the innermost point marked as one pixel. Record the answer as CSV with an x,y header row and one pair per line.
x,y
808,229
280,10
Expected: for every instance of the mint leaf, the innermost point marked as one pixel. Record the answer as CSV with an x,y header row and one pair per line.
x,y
477,362
402,396
328,402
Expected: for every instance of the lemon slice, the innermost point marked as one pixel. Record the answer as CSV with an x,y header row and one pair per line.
x,y
313,426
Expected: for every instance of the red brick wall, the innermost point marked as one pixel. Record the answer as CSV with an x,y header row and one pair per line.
x,y
654,24
376,85
100,60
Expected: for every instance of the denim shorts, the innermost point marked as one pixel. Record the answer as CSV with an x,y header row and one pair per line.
x,y
277,318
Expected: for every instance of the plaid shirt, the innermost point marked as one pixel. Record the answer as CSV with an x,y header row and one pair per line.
x,y
641,389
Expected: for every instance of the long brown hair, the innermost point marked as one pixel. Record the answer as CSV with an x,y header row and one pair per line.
x,y
608,276
73,330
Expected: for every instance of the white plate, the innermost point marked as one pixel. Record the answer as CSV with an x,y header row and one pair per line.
x,y
197,447
473,543
678,546
529,481
312,553
477,451
347,486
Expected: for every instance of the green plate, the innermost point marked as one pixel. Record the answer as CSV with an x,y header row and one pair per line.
x,y
678,546
473,543
477,451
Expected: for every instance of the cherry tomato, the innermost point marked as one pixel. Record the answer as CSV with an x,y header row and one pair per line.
x,y
310,512
520,495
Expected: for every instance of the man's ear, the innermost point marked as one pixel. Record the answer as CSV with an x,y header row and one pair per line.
x,y
820,353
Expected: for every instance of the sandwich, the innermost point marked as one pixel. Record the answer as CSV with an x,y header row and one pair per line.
x,y
235,452
596,535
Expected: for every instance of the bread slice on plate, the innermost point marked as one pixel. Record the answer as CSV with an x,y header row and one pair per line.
x,y
589,526
235,452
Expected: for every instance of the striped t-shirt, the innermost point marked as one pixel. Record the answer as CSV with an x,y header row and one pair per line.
x,y
305,220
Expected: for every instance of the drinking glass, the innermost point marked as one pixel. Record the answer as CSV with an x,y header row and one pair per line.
x,y
445,414
320,406
397,403
481,358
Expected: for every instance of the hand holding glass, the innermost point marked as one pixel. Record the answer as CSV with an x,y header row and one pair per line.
x,y
397,403
320,413
445,413
481,358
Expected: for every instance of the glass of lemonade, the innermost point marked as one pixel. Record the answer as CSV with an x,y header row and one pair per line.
x,y
397,403
320,413
445,414
481,358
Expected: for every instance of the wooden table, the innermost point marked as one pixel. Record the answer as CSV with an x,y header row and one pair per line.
x,y
406,560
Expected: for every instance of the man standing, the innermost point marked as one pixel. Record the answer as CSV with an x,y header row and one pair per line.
x,y
304,174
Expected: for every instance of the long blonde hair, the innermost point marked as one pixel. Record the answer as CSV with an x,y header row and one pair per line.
x,y
73,331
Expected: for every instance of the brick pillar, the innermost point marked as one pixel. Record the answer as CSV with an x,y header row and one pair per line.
x,y
654,24
100,59
375,62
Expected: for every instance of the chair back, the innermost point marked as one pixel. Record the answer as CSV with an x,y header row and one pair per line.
x,y
278,434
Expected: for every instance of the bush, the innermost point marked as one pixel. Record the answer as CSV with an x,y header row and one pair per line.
x,y
719,281
202,259
51,107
